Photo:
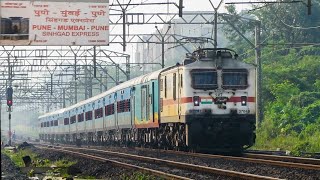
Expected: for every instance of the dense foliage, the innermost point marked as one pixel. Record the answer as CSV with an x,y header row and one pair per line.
x,y
291,95
290,73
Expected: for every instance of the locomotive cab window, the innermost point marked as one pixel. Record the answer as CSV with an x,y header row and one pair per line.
x,y
234,79
204,79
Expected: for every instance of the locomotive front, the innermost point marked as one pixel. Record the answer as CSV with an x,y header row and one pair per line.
x,y
222,114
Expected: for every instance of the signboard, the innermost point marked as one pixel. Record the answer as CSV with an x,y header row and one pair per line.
x,y
54,22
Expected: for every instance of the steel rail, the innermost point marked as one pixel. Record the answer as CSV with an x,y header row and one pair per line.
x,y
284,158
182,165
121,164
247,159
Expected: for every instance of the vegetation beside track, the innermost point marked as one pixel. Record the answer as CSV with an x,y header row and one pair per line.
x,y
61,165
16,157
138,176
290,75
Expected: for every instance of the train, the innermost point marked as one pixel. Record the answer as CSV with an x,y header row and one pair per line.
x,y
207,102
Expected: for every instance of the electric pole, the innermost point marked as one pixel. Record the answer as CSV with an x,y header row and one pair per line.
x,y
9,97
259,105
216,22
162,43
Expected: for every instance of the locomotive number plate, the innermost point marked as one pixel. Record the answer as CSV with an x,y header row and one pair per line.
x,y
243,111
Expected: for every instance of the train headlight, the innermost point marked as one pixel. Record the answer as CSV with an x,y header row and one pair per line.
x,y
196,100
243,100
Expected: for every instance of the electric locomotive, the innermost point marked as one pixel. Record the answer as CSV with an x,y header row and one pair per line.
x,y
209,101
205,103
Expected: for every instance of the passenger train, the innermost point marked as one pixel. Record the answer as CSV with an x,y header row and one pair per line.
x,y
205,103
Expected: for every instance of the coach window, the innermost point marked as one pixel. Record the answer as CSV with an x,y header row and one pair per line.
x,y
88,115
181,80
80,117
66,121
109,109
128,105
165,86
112,108
106,110
122,106
118,106
161,84
174,86
143,99
51,123
73,119
98,113
55,122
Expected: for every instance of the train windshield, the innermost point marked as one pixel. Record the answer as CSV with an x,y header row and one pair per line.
x,y
204,79
234,79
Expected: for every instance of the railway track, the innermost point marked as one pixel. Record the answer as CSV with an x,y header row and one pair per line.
x,y
284,161
283,153
277,167
291,162
118,163
300,160
99,155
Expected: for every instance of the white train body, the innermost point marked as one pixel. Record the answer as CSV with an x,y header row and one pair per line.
x,y
208,102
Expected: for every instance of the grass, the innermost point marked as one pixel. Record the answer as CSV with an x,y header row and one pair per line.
x,y
292,142
17,157
62,164
138,176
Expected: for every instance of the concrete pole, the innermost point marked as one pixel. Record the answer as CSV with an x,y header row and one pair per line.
x,y
0,108
64,98
9,108
259,103
101,80
90,83
124,29
215,27
85,82
75,80
162,53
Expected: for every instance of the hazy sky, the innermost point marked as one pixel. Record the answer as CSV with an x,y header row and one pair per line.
x,y
189,5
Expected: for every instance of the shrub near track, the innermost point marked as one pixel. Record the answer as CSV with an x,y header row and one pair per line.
x,y
37,161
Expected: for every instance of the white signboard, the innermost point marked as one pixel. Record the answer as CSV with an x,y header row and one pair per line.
x,y
54,23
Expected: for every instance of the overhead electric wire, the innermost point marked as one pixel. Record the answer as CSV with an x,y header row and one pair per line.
x,y
299,27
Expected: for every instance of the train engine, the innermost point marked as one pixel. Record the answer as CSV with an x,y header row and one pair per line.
x,y
208,103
